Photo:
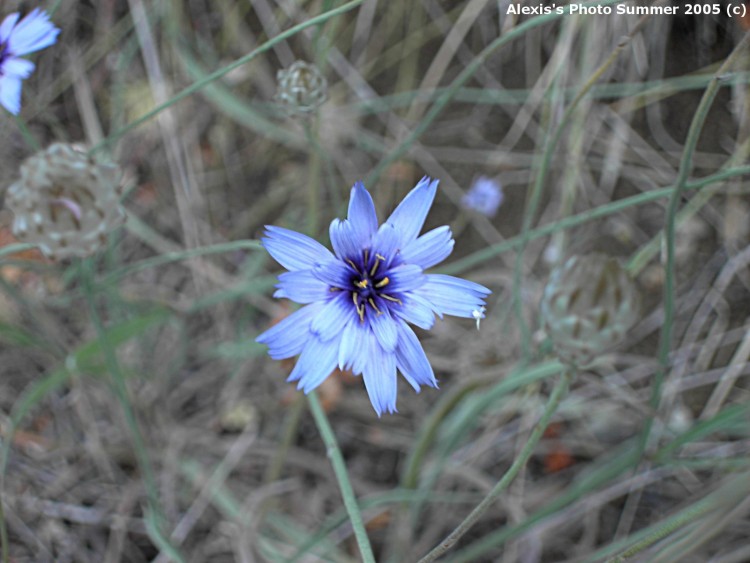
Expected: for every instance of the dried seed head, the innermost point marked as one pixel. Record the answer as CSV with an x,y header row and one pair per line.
x,y
301,87
65,202
589,304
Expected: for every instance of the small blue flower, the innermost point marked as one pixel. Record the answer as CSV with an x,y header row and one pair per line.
x,y
484,196
32,33
360,298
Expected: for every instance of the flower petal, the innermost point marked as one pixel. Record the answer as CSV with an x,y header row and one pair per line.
x,y
380,379
429,249
386,243
415,310
333,317
288,337
293,250
10,94
315,364
405,278
17,68
302,286
452,296
410,214
411,359
344,240
384,328
334,273
32,33
7,26
352,342
362,214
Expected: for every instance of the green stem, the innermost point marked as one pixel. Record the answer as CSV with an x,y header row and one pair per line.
x,y
519,463
686,165
339,468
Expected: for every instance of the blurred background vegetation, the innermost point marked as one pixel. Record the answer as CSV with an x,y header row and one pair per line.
x,y
141,422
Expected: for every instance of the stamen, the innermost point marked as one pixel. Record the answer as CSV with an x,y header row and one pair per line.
x,y
352,265
378,259
372,303
382,283
361,284
334,289
389,298
367,256
355,298
361,313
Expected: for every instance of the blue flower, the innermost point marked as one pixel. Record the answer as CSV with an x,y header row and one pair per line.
x,y
32,33
484,196
360,298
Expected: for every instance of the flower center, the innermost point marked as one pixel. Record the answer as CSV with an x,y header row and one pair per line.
x,y
368,285
3,55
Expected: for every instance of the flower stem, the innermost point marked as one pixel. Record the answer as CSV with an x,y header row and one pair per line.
x,y
339,468
536,434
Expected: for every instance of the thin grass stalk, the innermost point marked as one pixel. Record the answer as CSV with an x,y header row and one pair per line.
x,y
339,468
535,195
520,462
686,166
448,94
485,254
117,378
216,75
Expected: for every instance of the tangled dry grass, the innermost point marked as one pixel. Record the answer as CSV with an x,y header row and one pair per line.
x,y
151,426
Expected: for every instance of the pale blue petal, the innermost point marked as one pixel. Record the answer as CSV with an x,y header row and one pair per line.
x,y
409,216
10,94
333,317
380,379
386,243
288,337
7,26
429,249
343,240
453,296
384,329
411,359
302,286
32,33
415,310
406,277
315,364
351,344
17,68
334,273
293,250
362,214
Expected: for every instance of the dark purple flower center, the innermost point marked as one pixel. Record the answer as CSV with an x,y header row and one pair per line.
x,y
4,54
369,285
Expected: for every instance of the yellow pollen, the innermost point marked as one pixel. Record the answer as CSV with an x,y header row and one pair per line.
x,y
382,283
355,298
361,283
